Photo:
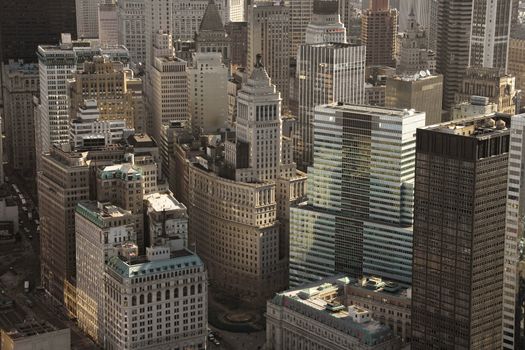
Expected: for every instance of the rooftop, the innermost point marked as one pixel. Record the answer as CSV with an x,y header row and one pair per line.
x,y
479,127
141,267
211,20
320,301
387,111
120,171
31,329
378,285
96,212
141,140
163,202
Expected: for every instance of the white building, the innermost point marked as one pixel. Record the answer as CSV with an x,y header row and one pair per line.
x,y
325,25
57,64
87,130
358,221
87,18
208,92
316,316
156,302
169,100
236,10
108,23
490,34
514,266
99,230
327,73
132,28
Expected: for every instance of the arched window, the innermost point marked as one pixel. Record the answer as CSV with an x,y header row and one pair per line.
x,y
192,289
159,295
167,295
176,292
184,291
134,301
142,299
149,298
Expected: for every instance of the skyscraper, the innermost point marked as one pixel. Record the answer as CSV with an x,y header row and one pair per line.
x,y
20,85
328,70
300,16
132,28
107,82
87,18
490,33
453,43
212,36
460,203
268,35
56,65
108,23
358,218
207,92
378,33
188,14
169,93
238,193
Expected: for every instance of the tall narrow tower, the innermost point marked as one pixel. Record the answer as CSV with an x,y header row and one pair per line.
x,y
378,33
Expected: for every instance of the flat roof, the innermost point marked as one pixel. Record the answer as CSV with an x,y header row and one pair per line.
x,y
163,202
31,329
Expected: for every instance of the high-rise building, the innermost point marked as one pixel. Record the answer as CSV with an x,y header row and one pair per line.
x,y
132,28
453,42
188,15
358,218
514,268
87,18
108,23
20,84
212,36
414,52
238,194
169,93
268,35
238,34
64,181
156,301
423,93
56,64
207,92
516,62
106,81
493,83
25,24
329,72
122,185
100,228
460,203
378,33
425,12
325,25
350,14
300,15
236,10
490,33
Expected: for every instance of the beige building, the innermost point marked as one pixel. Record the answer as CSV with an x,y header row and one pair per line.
x,y
388,302
156,302
493,83
20,84
66,179
516,63
422,92
208,92
268,35
238,203
477,106
36,335
107,82
99,229
317,316
169,84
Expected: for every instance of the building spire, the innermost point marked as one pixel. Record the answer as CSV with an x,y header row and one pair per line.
x,y
258,60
